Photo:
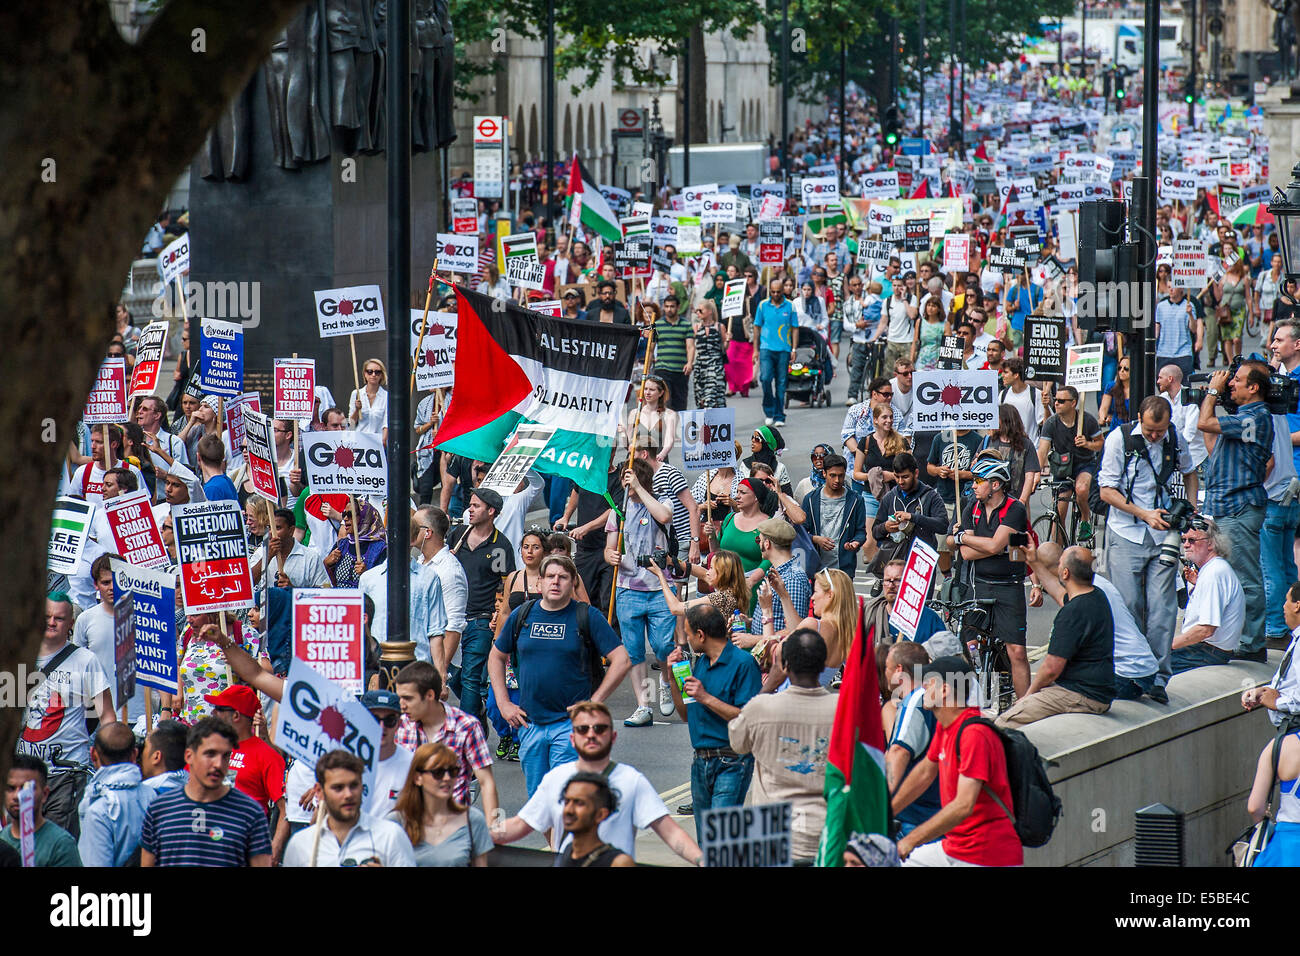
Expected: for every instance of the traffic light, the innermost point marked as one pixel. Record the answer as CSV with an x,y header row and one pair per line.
x,y
892,125
1104,265
1119,86
1189,91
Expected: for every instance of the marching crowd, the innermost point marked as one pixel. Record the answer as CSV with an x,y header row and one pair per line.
x,y
514,622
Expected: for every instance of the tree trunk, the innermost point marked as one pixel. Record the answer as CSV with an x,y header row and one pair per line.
x,y
94,132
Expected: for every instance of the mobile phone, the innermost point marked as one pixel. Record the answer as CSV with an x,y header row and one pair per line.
x,y
1019,539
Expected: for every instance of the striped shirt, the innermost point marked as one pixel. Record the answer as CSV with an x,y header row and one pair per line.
x,y
670,343
179,831
459,731
670,483
1234,472
1175,338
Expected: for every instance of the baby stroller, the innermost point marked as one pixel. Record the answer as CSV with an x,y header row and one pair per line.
x,y
809,371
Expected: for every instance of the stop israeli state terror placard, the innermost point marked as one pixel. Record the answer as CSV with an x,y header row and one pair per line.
x,y
328,634
106,403
955,399
135,533
350,463
349,311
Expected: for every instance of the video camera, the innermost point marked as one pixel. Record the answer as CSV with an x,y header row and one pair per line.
x,y
1282,396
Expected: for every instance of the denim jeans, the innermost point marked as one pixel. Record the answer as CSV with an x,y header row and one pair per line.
x,y
1243,530
1197,655
642,615
475,643
857,369
558,497
720,781
1277,559
543,746
1131,688
773,367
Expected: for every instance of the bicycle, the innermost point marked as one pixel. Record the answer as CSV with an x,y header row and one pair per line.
x,y
985,652
1050,527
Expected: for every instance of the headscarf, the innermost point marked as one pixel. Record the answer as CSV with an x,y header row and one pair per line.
x,y
370,524
772,443
767,499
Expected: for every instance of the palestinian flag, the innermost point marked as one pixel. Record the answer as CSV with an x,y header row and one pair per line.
x,y
594,212
922,191
515,366
857,797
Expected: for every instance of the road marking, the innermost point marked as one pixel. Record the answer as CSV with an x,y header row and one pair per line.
x,y
675,792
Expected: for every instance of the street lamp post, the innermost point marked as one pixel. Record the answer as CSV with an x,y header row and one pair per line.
x,y
1143,374
920,63
785,96
549,98
1285,208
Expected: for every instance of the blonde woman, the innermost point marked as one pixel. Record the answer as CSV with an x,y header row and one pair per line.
x,y
653,419
875,456
442,831
832,613
369,406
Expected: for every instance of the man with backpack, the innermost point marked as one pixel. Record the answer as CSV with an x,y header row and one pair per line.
x,y
1136,467
975,827
556,643
1078,674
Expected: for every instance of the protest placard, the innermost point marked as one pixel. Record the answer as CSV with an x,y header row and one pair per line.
x,y
1189,268
916,235
135,532
1007,259
760,191
464,216
747,836
328,634
771,242
955,399
235,410
435,362
213,556
525,445
69,526
153,606
956,253
693,197
707,438
913,589
458,253
1083,367
124,647
260,456
317,715
690,237
350,463
733,298
148,358
358,308
106,403
295,389
951,350
882,184
221,360
635,226
771,207
27,823
718,208
1045,339
819,191
174,260
1177,186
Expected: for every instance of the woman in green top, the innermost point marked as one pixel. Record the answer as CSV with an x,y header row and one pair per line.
x,y
1234,291
737,533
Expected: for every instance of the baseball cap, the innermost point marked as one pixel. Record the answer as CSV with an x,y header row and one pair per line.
x,y
947,667
237,697
777,530
381,700
489,498
570,292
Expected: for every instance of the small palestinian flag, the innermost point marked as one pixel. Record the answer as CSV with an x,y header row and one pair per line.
x,y
922,191
516,366
594,213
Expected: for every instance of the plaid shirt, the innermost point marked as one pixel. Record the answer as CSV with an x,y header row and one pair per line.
x,y
459,731
796,582
1234,473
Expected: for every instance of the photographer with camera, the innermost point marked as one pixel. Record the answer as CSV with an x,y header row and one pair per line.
x,y
990,534
1278,535
1234,482
642,611
1213,621
1145,522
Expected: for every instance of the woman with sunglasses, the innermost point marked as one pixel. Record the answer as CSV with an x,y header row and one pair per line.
x,y
341,563
711,339
654,421
832,613
371,415
1114,410
442,831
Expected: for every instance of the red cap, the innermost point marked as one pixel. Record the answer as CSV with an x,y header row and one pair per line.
x,y
238,697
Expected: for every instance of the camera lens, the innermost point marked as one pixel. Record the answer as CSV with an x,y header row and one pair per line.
x,y
1170,549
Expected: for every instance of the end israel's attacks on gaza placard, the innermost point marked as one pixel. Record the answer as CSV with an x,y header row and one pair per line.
x,y
517,366
954,399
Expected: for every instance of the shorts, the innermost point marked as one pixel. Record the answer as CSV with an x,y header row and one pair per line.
x,y
871,503
837,331
1007,618
1085,467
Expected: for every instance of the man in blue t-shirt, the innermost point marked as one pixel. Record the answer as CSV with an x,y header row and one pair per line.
x,y
773,327
217,486
553,664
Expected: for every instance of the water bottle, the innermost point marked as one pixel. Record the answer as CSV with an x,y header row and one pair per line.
x,y
737,622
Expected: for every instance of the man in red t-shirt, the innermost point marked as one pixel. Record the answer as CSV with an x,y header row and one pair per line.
x,y
256,768
975,830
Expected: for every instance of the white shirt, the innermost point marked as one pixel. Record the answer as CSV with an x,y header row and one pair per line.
x,y
300,778
900,323
1027,403
945,296
1217,600
377,838
1288,684
455,587
374,416
639,806
303,567
390,777
94,631
1133,657
514,510
174,447
1117,470
902,403
1186,417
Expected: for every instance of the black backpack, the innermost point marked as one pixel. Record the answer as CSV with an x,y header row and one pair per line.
x,y
1037,808
593,666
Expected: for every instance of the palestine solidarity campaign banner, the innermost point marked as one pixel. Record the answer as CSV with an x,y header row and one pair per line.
x,y
515,366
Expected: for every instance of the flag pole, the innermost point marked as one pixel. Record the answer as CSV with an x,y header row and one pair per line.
x,y
631,455
424,323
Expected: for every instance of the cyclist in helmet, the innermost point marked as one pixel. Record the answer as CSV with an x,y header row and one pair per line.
x,y
984,537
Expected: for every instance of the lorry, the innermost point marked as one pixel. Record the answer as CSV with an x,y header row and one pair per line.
x,y
1110,41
